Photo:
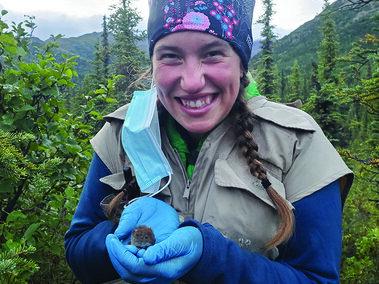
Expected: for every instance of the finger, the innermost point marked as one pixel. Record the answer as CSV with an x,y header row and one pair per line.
x,y
169,248
119,251
130,277
182,242
125,262
140,252
133,249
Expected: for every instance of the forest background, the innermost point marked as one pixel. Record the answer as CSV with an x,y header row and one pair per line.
x,y
52,102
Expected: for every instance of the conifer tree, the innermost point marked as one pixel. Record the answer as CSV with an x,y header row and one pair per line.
x,y
305,91
323,104
283,85
99,72
106,48
129,58
102,56
295,83
329,47
267,75
314,85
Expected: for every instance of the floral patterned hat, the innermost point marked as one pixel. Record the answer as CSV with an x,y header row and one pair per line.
x,y
230,20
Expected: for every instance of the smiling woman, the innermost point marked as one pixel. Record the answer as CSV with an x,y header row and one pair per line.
x,y
251,191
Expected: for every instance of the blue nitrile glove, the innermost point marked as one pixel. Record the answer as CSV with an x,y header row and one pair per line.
x,y
167,260
122,259
148,211
151,212
176,255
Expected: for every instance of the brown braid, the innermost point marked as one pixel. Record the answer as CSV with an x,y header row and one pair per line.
x,y
243,125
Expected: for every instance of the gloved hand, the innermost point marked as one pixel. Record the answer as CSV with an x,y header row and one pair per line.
x,y
124,262
175,256
148,211
167,260
151,212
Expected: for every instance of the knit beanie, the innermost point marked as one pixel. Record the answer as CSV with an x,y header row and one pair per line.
x,y
230,20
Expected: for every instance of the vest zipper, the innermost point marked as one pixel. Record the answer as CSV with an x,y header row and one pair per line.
x,y
187,189
188,181
187,193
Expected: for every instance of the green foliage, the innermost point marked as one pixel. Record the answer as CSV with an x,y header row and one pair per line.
x,y
44,155
360,258
14,267
13,165
361,221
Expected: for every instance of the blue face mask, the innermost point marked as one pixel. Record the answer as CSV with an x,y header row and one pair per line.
x,y
141,140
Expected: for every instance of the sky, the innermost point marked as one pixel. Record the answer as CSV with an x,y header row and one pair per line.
x,y
73,18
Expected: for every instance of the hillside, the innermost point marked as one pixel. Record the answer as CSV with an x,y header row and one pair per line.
x,y
82,46
303,43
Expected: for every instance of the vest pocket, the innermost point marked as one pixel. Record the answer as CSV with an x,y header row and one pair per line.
x,y
232,174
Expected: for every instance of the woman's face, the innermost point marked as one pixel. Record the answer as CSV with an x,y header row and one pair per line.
x,y
197,77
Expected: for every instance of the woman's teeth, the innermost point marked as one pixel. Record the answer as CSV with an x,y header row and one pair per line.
x,y
196,103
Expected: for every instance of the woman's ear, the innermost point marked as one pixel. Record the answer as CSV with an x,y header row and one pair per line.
x,y
242,70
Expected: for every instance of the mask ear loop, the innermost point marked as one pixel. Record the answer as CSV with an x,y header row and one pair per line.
x,y
152,194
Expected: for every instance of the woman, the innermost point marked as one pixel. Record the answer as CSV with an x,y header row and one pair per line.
x,y
272,217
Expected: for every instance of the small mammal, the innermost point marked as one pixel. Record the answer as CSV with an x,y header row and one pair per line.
x,y
142,237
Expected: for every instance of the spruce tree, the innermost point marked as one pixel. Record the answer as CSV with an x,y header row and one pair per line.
x,y
295,83
105,48
324,104
129,58
99,71
314,85
329,47
305,91
283,85
267,75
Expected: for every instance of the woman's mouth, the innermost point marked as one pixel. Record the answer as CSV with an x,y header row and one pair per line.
x,y
198,102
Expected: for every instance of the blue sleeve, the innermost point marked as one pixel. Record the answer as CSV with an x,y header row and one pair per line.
x,y
311,255
86,253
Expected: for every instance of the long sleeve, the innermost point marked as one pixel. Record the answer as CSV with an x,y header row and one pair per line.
x,y
312,255
86,252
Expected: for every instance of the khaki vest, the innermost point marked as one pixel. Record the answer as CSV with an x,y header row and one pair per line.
x,y
298,157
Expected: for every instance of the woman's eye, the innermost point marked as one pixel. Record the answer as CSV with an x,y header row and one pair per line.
x,y
214,53
169,56
213,56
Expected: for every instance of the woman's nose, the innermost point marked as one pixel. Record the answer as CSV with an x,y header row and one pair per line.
x,y
192,77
